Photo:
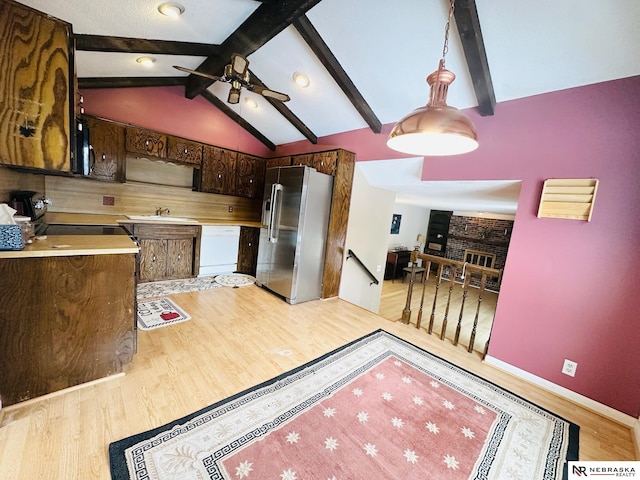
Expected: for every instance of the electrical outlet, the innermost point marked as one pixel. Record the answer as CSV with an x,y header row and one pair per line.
x,y
108,200
569,367
230,208
378,268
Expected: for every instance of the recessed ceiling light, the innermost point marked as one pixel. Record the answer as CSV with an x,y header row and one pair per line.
x,y
171,9
301,79
146,61
251,103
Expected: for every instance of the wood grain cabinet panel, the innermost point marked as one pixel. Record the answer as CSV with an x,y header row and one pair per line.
x,y
65,321
36,88
248,250
146,142
323,162
218,172
278,162
167,251
107,141
184,151
250,171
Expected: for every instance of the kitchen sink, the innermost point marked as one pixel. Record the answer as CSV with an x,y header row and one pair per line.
x,y
160,219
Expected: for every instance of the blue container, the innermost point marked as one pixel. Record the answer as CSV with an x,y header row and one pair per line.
x,y
11,237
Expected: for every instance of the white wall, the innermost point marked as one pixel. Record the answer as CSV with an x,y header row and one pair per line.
x,y
367,235
415,220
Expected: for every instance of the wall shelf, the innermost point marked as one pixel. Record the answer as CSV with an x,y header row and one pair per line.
x,y
486,241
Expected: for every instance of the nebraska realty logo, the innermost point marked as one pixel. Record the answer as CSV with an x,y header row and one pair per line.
x,y
581,470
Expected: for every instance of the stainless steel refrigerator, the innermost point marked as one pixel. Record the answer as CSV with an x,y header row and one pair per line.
x,y
295,222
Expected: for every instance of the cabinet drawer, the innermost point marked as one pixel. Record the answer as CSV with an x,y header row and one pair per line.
x,y
165,231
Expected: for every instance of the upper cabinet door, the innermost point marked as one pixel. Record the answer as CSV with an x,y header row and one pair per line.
x,y
184,151
250,172
146,142
107,141
35,89
323,162
218,172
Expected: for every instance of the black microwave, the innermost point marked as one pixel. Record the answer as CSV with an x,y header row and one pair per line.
x,y
83,158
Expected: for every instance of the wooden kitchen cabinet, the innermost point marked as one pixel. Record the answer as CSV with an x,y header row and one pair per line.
x,y
36,76
250,171
218,172
66,320
146,142
167,251
107,141
184,151
278,162
248,250
323,162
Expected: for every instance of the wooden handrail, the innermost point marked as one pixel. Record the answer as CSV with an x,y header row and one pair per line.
x,y
364,267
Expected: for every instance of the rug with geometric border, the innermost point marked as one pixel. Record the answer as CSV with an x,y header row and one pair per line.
x,y
376,408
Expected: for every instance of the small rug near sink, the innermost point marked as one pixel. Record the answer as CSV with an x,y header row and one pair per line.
x,y
235,280
159,313
168,287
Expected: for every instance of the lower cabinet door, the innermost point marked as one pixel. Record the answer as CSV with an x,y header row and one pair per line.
x,y
179,258
153,259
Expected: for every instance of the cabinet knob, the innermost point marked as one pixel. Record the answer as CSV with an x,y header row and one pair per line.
x,y
104,157
179,257
219,176
186,151
146,143
153,259
249,243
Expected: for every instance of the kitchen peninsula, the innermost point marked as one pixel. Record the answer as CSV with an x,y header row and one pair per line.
x,y
68,313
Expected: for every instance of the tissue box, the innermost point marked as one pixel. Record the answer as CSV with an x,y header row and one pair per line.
x,y
11,237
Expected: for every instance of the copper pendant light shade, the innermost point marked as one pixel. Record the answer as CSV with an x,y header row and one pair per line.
x,y
437,128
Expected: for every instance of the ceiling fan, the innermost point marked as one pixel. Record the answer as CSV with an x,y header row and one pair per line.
x,y
237,74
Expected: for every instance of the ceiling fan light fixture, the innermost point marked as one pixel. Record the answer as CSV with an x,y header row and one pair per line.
x,y
146,61
171,9
436,129
301,79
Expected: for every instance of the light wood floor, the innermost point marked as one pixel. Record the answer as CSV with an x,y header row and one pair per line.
x,y
394,298
235,339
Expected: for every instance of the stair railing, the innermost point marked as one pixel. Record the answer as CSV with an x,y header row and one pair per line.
x,y
453,266
373,278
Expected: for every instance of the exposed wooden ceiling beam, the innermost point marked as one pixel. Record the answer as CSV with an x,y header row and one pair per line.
x,y
330,62
224,108
286,113
126,82
269,19
103,43
466,15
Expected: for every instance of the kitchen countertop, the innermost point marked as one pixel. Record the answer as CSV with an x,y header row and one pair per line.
x,y
69,245
100,219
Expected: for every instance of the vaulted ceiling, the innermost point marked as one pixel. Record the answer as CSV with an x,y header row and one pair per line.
x,y
367,60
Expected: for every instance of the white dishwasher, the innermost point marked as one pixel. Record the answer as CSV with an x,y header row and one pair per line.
x,y
219,249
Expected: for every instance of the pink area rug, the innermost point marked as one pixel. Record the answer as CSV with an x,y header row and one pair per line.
x,y
378,408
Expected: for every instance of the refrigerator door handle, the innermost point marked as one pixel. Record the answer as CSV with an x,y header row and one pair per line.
x,y
276,198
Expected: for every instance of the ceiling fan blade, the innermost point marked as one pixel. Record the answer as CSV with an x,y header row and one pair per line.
x,y
239,64
265,92
234,95
195,72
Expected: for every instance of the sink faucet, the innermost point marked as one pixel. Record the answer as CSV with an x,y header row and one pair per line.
x,y
162,211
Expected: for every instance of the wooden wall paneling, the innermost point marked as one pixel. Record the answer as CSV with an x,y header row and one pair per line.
x,y
107,140
74,327
340,204
36,85
14,180
218,173
82,195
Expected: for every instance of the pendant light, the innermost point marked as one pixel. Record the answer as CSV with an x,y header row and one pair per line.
x,y
436,128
